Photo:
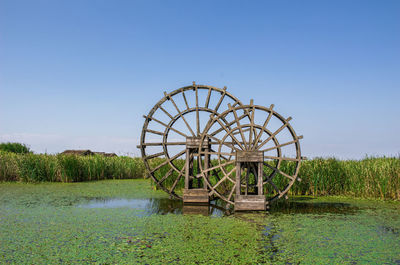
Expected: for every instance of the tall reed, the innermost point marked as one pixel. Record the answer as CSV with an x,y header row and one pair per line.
x,y
67,168
372,177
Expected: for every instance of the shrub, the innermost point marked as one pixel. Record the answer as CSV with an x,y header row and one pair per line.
x,y
17,148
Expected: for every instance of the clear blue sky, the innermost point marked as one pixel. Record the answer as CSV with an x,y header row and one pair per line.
x,y
80,74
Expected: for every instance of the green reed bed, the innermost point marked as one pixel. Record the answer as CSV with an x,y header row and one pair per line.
x,y
67,168
372,177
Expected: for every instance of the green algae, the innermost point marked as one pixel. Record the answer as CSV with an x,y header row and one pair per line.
x,y
43,224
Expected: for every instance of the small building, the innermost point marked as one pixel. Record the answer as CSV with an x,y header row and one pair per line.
x,y
105,154
86,153
77,152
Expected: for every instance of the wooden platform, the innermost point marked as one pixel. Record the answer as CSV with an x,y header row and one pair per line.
x,y
195,196
250,203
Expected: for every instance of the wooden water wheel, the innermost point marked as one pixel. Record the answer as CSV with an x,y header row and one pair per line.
x,y
171,132
255,146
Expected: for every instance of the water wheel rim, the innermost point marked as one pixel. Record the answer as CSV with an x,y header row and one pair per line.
x,y
250,110
151,170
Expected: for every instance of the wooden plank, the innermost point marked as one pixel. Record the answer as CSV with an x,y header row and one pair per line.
x,y
250,203
249,156
195,196
194,142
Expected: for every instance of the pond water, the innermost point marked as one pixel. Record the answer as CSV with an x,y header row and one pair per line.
x,y
158,206
216,208
128,222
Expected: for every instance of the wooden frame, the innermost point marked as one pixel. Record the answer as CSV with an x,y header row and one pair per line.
x,y
248,141
169,180
215,151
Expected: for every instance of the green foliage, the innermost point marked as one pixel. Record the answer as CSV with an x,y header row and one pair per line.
x,y
372,177
67,168
17,148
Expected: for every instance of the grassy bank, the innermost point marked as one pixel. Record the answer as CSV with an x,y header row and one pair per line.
x,y
374,177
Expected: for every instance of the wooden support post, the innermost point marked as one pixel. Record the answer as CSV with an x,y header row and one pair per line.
x,y
187,169
191,179
248,202
238,173
206,164
260,179
198,195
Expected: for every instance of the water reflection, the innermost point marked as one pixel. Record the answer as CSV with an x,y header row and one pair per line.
x,y
158,206
217,207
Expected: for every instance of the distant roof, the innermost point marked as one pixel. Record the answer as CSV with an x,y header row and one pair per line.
x,y
77,152
105,154
86,153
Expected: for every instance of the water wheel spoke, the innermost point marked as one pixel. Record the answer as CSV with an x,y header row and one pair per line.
x,y
244,130
238,125
227,125
220,100
215,173
180,114
166,126
228,144
166,112
197,111
154,132
184,99
264,127
177,180
154,155
236,103
169,173
274,186
218,166
283,158
275,133
231,193
230,134
251,126
168,161
279,171
166,143
282,145
208,98
224,178
217,153
220,154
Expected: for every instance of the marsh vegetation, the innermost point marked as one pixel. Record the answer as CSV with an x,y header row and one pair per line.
x,y
371,177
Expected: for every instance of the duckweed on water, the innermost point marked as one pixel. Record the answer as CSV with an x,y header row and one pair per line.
x,y
46,224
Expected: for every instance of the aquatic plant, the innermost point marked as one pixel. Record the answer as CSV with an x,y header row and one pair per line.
x,y
48,223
